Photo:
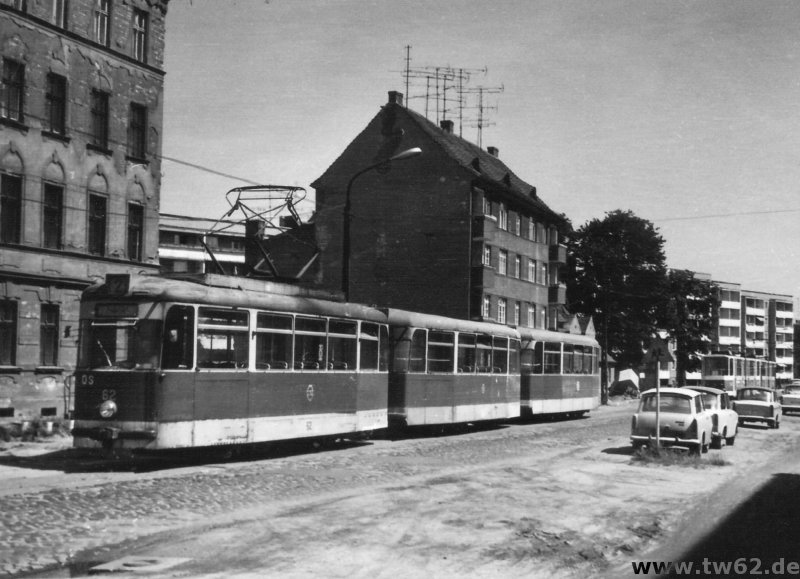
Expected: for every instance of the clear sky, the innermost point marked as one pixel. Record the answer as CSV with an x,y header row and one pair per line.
x,y
686,112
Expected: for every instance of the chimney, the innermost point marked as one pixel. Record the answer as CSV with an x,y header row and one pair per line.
x,y
493,151
395,97
447,126
532,192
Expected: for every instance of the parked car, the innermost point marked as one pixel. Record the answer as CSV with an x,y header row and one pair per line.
x,y
758,405
790,398
683,420
724,418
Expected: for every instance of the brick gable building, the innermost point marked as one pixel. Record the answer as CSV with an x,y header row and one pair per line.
x,y
451,232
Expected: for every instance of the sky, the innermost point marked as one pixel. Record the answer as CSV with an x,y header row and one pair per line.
x,y
686,112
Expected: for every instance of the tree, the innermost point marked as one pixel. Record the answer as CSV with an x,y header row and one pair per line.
x,y
689,318
618,275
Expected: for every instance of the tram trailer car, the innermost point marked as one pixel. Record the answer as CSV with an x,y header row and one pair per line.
x,y
560,373
448,371
166,363
731,373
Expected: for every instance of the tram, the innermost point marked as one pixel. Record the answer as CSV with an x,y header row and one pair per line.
x,y
167,363
730,373
448,371
560,373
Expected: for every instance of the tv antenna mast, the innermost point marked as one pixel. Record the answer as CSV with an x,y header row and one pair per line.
x,y
480,122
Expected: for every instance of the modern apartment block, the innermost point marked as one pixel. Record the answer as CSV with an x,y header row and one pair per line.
x,y
452,231
182,243
80,141
756,324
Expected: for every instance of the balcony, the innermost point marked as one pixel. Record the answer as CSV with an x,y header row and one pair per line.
x,y
558,254
557,294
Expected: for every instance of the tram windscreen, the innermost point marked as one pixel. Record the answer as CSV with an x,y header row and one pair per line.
x,y
121,344
713,366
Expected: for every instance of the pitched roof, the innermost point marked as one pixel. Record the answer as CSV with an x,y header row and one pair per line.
x,y
480,163
488,170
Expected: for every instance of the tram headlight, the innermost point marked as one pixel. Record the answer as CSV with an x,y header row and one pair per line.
x,y
108,409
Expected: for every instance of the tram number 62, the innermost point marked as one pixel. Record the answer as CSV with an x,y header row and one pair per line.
x,y
109,395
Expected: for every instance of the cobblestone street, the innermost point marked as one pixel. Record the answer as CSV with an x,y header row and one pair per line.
x,y
75,511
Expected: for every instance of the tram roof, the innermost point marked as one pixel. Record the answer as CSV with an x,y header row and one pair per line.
x,y
434,322
540,335
207,290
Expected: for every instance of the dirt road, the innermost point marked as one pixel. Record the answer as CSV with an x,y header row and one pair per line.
x,y
560,499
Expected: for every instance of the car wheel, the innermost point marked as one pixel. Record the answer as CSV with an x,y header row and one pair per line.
x,y
777,421
731,440
695,449
704,444
741,422
638,445
717,441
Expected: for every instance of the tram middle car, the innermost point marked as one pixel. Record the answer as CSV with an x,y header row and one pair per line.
x,y
448,371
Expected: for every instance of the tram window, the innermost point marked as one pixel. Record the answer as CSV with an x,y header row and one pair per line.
x,y
118,343
222,338
273,341
178,349
568,359
552,358
416,355
483,359
466,353
500,355
441,351
342,345
383,362
309,343
513,357
538,358
368,344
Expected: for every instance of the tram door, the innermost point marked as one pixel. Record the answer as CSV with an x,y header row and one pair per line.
x,y
221,382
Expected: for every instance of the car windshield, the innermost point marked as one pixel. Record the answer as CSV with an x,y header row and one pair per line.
x,y
758,395
710,401
669,403
119,344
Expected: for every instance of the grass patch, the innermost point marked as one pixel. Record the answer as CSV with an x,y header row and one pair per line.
x,y
671,456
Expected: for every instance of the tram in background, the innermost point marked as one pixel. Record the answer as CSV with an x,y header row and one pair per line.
x,y
730,373
166,363
448,371
560,373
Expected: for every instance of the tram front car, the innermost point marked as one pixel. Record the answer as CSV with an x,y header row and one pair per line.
x,y
118,367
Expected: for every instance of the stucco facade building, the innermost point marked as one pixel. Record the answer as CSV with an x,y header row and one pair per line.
x,y
80,142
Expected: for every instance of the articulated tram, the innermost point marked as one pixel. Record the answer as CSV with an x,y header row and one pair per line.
x,y
731,373
178,363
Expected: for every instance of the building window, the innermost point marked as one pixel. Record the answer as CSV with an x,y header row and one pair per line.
x,y
60,13
516,313
100,119
102,12
487,206
10,208
502,217
517,224
52,215
487,256
135,231
137,124
501,311
97,224
531,230
13,90
502,262
56,99
48,333
8,333
140,35
542,273
531,316
486,307
517,266
531,270
542,318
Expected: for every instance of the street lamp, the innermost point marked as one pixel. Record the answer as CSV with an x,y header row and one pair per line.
x,y
407,154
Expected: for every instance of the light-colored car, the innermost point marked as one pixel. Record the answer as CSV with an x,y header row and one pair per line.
x,y
683,420
725,419
758,405
790,398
